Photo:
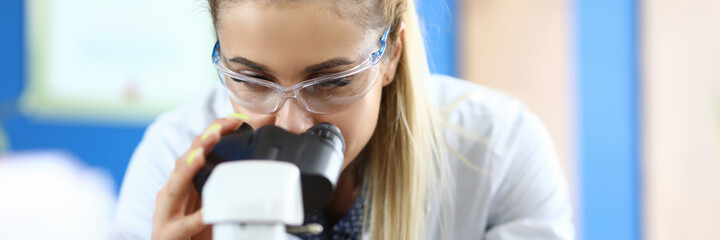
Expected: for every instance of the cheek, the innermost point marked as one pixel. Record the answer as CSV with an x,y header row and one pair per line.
x,y
357,123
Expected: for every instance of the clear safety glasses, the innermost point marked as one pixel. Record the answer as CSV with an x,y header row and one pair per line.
x,y
321,95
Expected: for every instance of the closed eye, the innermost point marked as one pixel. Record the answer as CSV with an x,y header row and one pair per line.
x,y
255,75
261,77
338,82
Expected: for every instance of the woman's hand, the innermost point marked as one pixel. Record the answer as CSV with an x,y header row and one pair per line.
x,y
177,205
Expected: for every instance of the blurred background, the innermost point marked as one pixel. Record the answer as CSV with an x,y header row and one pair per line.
x,y
630,91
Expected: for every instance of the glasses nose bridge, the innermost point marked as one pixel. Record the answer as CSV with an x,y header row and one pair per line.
x,y
290,93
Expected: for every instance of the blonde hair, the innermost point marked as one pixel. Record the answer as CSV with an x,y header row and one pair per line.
x,y
405,158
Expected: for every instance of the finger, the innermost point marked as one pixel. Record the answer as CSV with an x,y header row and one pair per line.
x,y
189,225
192,161
161,212
192,204
211,135
180,228
179,184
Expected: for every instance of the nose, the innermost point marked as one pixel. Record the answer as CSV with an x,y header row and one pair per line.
x,y
293,117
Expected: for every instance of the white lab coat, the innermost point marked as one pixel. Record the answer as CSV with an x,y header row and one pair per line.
x,y
511,185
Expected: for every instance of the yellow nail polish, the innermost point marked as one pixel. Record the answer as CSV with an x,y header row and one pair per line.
x,y
212,129
238,115
194,154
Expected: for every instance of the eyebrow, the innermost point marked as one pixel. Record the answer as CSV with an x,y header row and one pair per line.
x,y
335,62
328,64
250,64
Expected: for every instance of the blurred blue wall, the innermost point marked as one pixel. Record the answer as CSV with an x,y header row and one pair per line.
x,y
109,146
439,23
607,67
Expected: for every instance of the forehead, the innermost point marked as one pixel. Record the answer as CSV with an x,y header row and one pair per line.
x,y
280,33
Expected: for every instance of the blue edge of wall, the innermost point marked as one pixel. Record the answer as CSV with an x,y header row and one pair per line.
x,y
607,91
607,57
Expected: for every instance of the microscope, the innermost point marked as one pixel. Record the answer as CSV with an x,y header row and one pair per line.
x,y
261,184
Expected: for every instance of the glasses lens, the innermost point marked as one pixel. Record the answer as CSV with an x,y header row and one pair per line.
x,y
336,94
252,95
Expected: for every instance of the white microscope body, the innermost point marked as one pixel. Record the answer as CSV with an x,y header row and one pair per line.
x,y
253,199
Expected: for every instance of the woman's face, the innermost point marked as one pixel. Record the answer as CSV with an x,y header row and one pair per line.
x,y
284,40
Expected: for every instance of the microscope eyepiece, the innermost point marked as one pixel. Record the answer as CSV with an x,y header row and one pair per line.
x,y
329,132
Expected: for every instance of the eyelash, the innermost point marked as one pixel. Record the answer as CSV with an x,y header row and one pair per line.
x,y
261,77
338,82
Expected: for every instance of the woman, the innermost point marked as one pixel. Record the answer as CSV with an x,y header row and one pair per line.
x,y
426,156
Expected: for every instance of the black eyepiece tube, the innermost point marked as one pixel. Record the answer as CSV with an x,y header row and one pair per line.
x,y
318,153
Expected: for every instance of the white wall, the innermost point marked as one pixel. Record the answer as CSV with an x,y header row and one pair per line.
x,y
681,119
